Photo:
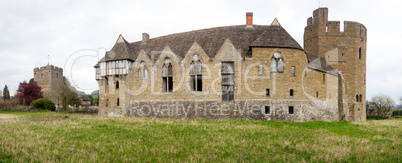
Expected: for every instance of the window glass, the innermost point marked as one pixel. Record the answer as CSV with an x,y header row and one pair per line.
x,y
280,65
199,67
293,71
145,73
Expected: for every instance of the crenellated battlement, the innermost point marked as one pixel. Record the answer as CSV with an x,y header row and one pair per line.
x,y
48,67
319,22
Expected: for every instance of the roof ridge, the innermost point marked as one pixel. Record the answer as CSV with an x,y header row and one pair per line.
x,y
199,30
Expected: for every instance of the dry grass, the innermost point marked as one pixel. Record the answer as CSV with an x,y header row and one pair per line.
x,y
51,137
7,116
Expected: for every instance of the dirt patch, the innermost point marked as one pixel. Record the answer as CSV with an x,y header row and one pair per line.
x,y
7,116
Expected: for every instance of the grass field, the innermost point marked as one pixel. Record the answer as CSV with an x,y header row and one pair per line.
x,y
53,137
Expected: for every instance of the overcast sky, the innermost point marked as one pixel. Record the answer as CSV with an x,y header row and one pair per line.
x,y
72,31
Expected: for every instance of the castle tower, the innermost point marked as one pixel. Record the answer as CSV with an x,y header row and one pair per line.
x,y
46,77
345,50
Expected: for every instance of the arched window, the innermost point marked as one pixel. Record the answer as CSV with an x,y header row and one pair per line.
x,y
145,73
277,63
196,74
167,76
142,71
273,65
357,98
117,84
139,73
280,65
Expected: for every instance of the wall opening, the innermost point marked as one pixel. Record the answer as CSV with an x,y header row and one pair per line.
x,y
267,93
167,76
196,74
291,109
323,78
267,110
117,85
227,73
291,93
293,71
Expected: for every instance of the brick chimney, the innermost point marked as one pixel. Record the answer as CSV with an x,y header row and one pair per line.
x,y
249,18
145,38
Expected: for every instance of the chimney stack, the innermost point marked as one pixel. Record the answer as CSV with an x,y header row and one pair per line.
x,y
249,18
145,37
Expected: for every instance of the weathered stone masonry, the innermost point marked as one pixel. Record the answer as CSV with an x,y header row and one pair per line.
x,y
247,71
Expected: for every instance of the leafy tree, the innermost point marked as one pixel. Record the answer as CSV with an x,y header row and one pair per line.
x,y
6,93
382,104
94,99
27,92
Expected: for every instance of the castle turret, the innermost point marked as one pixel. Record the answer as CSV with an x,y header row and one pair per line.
x,y
46,77
345,50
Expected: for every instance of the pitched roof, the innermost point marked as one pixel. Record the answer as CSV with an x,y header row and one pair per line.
x,y
317,63
83,96
276,36
210,40
121,50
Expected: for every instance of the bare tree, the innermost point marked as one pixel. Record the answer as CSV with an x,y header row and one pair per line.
x,y
382,104
65,93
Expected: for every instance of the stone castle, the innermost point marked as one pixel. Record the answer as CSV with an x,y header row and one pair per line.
x,y
46,77
245,71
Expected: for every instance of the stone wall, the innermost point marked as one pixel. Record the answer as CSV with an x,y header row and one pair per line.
x,y
345,49
143,97
248,109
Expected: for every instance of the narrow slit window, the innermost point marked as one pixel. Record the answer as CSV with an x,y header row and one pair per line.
x,y
323,78
291,93
293,70
267,93
360,53
117,85
261,69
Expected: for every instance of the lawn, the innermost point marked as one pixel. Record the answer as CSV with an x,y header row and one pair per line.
x,y
58,137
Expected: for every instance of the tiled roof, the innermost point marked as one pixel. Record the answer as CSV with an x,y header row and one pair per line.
x,y
210,40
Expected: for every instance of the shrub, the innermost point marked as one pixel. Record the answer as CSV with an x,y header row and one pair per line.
x,y
397,112
44,104
8,104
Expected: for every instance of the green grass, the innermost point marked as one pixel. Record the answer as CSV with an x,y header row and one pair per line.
x,y
53,137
